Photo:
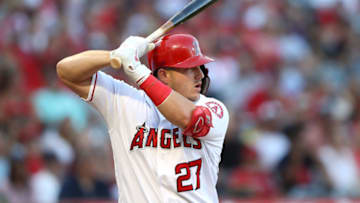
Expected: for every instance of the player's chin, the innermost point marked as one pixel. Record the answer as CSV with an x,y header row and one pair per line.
x,y
195,96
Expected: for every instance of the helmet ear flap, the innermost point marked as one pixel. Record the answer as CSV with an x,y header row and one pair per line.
x,y
205,82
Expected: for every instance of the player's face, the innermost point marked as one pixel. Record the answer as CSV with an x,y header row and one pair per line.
x,y
186,81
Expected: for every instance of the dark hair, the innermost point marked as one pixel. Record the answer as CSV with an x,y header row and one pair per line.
x,y
155,73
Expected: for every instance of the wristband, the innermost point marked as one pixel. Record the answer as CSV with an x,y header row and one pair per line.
x,y
156,90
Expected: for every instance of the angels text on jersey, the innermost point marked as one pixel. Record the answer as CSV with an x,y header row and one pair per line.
x,y
169,138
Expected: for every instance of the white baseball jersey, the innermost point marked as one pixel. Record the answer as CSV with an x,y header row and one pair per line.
x,y
154,162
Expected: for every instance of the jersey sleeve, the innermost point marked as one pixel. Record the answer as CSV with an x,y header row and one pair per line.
x,y
110,96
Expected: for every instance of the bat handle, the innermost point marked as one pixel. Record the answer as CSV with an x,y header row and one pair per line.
x,y
116,62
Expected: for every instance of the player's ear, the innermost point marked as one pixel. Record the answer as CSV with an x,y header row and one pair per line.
x,y
163,75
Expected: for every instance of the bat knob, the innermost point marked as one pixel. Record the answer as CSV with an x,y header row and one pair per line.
x,y
115,63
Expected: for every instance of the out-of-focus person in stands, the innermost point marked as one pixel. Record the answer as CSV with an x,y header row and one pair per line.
x,y
300,173
339,161
17,189
45,184
82,182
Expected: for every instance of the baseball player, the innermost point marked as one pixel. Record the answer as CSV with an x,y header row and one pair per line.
x,y
166,135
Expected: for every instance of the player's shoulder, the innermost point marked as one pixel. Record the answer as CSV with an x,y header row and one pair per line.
x,y
101,75
215,105
117,85
120,90
204,100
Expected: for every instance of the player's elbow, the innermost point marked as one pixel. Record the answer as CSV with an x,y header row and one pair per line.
x,y
63,70
60,70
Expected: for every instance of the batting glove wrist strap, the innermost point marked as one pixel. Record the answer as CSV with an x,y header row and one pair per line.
x,y
156,90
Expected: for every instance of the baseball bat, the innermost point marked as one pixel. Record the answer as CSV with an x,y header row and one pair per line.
x,y
190,10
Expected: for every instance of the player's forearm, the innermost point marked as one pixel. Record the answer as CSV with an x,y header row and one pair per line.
x,y
177,109
82,66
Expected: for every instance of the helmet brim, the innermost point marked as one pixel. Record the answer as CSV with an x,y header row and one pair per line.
x,y
193,62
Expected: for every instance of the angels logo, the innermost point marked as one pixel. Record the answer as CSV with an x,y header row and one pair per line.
x,y
164,138
215,108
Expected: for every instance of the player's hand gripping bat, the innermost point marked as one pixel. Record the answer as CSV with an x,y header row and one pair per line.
x,y
190,10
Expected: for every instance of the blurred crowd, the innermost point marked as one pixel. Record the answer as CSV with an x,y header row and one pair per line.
x,y
288,71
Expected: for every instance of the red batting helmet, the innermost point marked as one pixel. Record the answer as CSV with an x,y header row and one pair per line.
x,y
179,51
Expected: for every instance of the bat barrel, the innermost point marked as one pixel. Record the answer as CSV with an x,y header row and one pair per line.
x,y
160,31
190,10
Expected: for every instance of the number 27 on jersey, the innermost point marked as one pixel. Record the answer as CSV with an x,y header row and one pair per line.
x,y
184,169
